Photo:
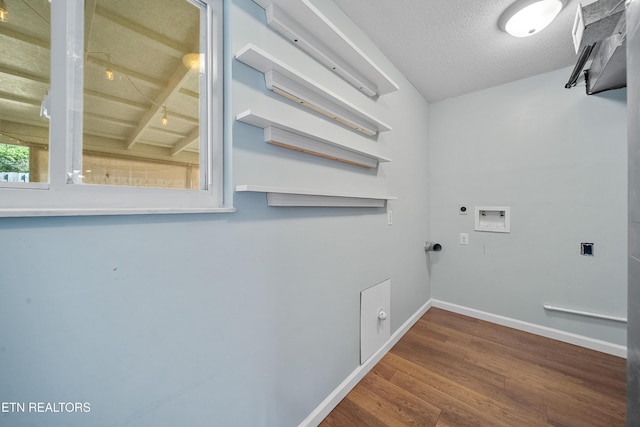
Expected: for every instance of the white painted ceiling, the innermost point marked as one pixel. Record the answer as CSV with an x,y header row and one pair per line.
x,y
447,48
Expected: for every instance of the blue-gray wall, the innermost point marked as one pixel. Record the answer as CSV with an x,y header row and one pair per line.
x,y
558,158
244,319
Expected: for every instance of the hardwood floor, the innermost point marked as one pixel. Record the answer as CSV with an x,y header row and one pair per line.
x,y
452,370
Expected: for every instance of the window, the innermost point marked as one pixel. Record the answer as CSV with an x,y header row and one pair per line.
x,y
111,106
25,43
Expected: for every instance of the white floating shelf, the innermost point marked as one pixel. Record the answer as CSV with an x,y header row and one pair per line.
x,y
278,196
302,23
285,81
285,136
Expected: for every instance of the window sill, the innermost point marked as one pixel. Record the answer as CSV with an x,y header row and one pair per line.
x,y
6,213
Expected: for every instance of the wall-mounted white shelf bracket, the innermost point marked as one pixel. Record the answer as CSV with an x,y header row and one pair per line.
x,y
278,196
285,136
285,81
303,24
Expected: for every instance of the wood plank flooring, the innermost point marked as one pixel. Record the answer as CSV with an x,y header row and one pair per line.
x,y
452,370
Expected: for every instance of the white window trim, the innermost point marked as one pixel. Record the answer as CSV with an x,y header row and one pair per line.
x,y
62,198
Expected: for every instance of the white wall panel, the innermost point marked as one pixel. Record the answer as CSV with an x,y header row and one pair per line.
x,y
375,318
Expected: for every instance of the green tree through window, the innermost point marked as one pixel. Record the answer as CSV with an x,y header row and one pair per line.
x,y
14,158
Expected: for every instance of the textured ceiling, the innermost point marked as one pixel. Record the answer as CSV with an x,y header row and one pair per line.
x,y
447,48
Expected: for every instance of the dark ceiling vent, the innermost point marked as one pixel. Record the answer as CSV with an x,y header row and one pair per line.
x,y
599,35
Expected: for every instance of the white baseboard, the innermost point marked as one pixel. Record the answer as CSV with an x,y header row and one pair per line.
x,y
354,378
568,337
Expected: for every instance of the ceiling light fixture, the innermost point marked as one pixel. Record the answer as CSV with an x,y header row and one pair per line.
x,y
191,60
525,18
165,119
108,71
3,11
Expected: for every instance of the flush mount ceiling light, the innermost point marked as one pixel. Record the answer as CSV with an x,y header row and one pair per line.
x,y
528,17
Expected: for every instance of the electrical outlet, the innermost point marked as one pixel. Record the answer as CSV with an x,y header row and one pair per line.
x,y
586,249
389,217
464,238
463,209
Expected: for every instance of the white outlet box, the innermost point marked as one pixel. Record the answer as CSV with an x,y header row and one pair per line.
x,y
464,238
389,217
496,219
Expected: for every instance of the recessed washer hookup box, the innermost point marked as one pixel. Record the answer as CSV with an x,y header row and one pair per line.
x,y
496,219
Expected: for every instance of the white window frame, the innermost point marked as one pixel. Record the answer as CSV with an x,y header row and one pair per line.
x,y
61,196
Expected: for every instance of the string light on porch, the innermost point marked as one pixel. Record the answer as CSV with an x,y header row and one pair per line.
x,y
193,62
3,11
165,119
